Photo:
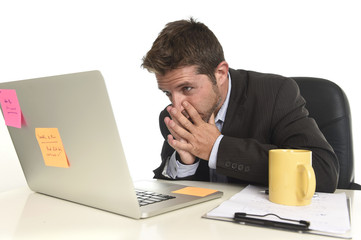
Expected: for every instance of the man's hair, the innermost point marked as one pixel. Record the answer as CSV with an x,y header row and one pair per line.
x,y
185,43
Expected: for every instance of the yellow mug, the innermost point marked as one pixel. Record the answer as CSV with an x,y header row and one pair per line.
x,y
291,177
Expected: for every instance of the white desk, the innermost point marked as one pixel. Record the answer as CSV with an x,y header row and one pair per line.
x,y
28,215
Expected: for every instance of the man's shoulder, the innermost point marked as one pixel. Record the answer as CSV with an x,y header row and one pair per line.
x,y
257,76
258,80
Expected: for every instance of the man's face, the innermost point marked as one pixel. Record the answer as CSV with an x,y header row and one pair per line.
x,y
184,84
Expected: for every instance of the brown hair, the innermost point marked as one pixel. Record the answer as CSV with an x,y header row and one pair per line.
x,y
184,43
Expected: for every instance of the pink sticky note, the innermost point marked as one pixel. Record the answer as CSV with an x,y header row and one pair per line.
x,y
11,107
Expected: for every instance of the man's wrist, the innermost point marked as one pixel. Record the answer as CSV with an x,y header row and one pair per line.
x,y
179,159
175,169
212,163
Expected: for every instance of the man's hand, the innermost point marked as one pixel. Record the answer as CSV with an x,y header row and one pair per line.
x,y
186,157
188,138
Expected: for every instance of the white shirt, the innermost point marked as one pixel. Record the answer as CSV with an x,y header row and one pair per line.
x,y
174,168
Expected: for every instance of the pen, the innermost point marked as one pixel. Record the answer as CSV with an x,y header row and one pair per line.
x,y
298,225
266,191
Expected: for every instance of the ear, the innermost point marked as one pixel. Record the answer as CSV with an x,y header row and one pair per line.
x,y
221,73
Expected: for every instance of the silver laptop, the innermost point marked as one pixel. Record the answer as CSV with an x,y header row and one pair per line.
x,y
96,172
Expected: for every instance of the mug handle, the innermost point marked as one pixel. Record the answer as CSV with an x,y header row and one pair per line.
x,y
311,181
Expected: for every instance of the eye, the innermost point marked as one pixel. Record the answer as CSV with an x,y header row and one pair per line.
x,y
187,89
168,94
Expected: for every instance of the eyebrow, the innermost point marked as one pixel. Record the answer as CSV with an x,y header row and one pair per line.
x,y
187,83
163,90
184,84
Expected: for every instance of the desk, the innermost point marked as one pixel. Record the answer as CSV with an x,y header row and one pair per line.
x,y
28,215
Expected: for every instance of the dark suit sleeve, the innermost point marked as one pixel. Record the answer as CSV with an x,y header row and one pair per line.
x,y
246,159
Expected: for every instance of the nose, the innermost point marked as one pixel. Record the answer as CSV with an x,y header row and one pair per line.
x,y
177,100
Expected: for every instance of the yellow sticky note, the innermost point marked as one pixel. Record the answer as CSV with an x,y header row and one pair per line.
x,y
195,191
52,147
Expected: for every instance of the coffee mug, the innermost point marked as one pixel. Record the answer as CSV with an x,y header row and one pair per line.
x,y
291,177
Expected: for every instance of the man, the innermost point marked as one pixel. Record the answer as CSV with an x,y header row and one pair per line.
x,y
222,122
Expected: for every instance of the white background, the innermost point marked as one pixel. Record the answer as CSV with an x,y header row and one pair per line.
x,y
318,38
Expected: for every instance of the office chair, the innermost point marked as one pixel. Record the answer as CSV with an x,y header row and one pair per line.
x,y
328,105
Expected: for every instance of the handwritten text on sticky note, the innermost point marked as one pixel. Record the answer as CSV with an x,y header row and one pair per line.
x,y
195,191
11,107
52,147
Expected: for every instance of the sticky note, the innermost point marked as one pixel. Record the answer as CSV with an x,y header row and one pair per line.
x,y
195,191
52,147
11,108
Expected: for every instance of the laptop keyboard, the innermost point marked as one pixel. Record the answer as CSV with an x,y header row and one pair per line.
x,y
147,197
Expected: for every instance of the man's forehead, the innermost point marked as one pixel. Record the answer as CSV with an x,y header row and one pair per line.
x,y
177,77
181,71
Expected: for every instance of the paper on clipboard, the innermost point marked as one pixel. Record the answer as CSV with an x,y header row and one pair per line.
x,y
328,213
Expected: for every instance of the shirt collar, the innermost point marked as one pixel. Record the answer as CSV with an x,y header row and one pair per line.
x,y
221,115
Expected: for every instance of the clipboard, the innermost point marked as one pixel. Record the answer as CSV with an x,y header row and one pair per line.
x,y
277,221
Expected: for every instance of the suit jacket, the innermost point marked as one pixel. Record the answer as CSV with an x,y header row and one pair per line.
x,y
265,112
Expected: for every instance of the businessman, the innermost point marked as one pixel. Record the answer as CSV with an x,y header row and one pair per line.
x,y
222,122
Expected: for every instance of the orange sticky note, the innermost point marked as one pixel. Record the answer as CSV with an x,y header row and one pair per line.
x,y
11,108
195,191
52,147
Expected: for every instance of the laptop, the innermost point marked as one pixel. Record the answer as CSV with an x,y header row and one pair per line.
x,y
75,110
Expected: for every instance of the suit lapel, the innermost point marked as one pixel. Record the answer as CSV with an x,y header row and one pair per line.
x,y
238,97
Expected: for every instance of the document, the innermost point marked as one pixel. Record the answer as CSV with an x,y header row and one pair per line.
x,y
327,213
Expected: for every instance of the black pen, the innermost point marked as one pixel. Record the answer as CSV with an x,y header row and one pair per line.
x,y
298,225
266,191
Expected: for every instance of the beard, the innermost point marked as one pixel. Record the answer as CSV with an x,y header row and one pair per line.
x,y
212,110
214,106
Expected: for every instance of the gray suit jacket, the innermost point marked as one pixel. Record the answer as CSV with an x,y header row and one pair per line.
x,y
265,112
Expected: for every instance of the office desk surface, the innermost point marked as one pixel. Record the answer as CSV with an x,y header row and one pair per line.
x,y
28,215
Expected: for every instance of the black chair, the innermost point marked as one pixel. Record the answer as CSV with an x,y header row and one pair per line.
x,y
328,105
